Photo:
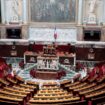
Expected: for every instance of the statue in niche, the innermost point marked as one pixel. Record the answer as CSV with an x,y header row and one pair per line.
x,y
92,15
16,10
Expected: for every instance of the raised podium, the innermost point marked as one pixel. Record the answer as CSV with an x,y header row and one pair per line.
x,y
47,62
49,50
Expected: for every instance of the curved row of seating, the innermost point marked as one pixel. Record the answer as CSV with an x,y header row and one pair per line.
x,y
83,92
89,89
52,95
15,91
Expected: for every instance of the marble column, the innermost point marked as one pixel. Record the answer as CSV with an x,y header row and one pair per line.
x,y
3,11
80,8
25,11
103,20
104,12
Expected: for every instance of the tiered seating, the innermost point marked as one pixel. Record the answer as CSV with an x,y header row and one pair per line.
x,y
9,95
85,87
53,94
10,100
96,93
93,78
88,90
27,86
63,83
20,80
10,89
32,83
4,82
85,78
101,79
72,84
91,88
17,93
97,101
11,80
78,86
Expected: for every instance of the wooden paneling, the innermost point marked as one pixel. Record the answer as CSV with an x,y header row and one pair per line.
x,y
82,54
5,50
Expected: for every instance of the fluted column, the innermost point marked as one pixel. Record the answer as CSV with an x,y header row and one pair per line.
x,y
25,11
3,11
104,12
80,8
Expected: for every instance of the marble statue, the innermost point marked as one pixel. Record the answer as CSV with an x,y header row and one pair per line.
x,y
92,5
92,15
16,8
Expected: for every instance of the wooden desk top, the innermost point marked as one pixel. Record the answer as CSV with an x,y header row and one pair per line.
x,y
41,54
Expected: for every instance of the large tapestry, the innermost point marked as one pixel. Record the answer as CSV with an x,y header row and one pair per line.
x,y
53,10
